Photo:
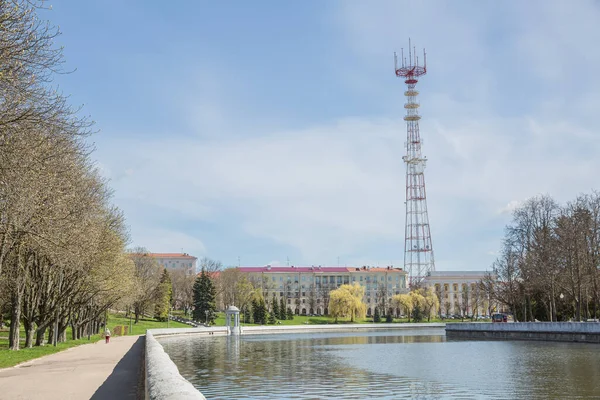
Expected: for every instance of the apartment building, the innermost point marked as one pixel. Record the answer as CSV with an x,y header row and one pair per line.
x,y
305,290
459,292
172,261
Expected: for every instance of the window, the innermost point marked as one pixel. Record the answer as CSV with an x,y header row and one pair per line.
x,y
389,278
389,286
361,278
397,278
339,279
455,287
272,279
281,279
303,278
303,294
318,278
281,294
289,301
295,278
332,279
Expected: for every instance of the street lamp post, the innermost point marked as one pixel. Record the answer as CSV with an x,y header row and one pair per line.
x,y
206,321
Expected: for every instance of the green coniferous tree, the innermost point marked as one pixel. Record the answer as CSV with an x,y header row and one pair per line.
x,y
376,315
282,313
163,293
247,315
290,314
272,320
275,310
204,298
255,311
259,311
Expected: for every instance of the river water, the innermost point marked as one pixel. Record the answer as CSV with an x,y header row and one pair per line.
x,y
395,364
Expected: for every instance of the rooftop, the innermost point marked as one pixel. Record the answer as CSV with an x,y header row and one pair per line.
x,y
172,255
315,269
441,274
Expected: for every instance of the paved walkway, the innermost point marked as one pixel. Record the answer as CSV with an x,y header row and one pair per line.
x,y
93,371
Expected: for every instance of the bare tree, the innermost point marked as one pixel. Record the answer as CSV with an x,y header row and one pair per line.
x,y
147,277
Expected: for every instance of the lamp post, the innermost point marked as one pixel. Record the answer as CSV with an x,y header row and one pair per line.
x,y
206,321
561,297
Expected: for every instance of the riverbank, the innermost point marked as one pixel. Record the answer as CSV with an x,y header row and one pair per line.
x,y
91,371
584,332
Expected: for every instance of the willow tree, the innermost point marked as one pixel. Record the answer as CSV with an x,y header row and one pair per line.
x,y
346,301
404,302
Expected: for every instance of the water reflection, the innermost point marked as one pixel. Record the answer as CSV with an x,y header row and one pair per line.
x,y
409,364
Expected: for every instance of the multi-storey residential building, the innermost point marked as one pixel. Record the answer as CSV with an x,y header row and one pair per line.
x,y
305,290
459,292
172,261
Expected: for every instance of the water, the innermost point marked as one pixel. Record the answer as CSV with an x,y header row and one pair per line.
x,y
420,364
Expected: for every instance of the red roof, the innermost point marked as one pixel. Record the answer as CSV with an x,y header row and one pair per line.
x,y
314,269
172,255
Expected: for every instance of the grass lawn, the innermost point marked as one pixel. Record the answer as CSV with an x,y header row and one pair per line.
x,y
142,325
10,358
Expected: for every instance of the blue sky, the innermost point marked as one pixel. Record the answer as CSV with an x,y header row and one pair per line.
x,y
269,130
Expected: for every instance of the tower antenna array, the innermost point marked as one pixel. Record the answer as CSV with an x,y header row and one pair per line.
x,y
418,248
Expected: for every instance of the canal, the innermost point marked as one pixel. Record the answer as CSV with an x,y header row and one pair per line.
x,y
384,364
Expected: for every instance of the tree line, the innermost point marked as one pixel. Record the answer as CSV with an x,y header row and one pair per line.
x,y
62,242
548,265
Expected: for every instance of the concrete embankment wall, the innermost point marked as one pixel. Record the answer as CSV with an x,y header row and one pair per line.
x,y
163,380
587,332
276,329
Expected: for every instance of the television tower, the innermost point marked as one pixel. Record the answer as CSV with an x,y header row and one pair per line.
x,y
418,249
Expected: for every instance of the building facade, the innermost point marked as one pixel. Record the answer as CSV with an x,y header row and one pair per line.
x,y
459,293
305,290
172,261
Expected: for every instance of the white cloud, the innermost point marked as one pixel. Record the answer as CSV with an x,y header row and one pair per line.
x,y
166,241
510,207
337,188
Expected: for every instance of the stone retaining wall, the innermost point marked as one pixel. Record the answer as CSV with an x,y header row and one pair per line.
x,y
587,332
163,381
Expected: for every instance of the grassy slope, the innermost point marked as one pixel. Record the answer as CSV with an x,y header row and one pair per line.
x,y
9,358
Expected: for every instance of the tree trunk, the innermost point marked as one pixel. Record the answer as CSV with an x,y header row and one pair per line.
x,y
29,333
62,331
15,317
39,339
50,334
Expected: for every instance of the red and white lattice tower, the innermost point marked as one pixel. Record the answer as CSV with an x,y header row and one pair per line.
x,y
418,249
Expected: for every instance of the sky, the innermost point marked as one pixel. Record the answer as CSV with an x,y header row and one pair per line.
x,y
269,132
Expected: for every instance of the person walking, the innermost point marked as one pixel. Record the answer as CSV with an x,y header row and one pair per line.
x,y
107,335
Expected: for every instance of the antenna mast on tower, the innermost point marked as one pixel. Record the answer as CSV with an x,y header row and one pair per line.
x,y
418,249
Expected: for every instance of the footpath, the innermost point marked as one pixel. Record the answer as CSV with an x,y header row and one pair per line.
x,y
92,371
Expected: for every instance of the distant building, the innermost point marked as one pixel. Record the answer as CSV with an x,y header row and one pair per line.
x,y
459,292
172,261
305,290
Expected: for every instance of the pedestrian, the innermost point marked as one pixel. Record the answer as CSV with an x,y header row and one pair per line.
x,y
107,335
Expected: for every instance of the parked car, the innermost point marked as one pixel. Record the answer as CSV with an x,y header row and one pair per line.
x,y
502,317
